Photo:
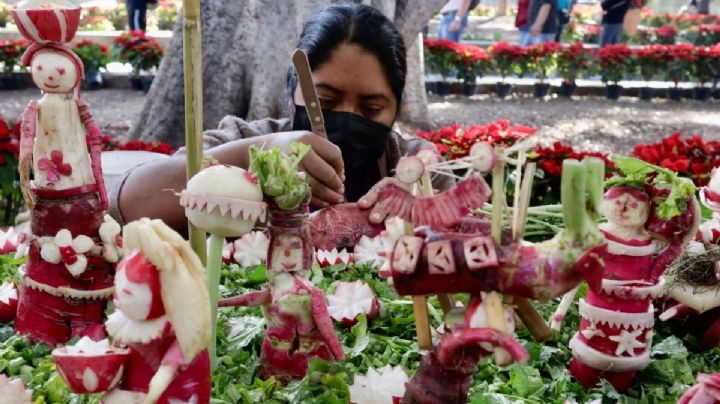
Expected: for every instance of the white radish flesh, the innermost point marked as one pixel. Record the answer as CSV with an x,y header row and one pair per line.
x,y
483,157
409,169
350,300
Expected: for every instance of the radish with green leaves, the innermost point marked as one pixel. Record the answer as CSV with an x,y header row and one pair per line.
x,y
299,327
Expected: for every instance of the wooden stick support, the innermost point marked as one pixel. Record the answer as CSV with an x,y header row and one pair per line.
x,y
192,66
422,322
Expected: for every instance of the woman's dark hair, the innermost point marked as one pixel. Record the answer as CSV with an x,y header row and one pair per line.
x,y
357,24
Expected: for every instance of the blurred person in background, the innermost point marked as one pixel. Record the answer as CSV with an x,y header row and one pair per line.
x,y
613,21
542,25
565,8
454,18
137,12
521,19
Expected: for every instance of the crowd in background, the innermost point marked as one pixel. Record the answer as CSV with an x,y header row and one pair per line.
x,y
541,21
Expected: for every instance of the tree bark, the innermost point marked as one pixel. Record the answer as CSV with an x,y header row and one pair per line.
x,y
246,55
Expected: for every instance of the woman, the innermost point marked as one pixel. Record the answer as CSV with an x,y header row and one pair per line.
x,y
358,62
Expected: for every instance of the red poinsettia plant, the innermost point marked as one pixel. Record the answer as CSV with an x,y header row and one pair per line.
x,y
10,196
679,59
573,61
649,60
541,59
505,58
94,55
613,61
704,34
441,55
667,34
473,62
143,52
691,157
110,144
10,52
702,70
455,141
550,158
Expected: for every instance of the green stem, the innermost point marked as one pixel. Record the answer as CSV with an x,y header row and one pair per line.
x,y
573,198
213,285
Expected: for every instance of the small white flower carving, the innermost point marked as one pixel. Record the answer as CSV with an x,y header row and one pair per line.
x,y
68,250
112,241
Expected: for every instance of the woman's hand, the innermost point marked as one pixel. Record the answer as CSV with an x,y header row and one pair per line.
x,y
323,165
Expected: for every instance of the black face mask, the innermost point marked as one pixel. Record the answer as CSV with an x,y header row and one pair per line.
x,y
361,141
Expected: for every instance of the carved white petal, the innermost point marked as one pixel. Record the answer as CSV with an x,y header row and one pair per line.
x,y
82,244
90,380
109,230
379,387
63,238
110,254
250,249
8,291
628,341
50,253
79,266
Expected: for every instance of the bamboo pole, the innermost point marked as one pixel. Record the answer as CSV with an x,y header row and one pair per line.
x,y
192,73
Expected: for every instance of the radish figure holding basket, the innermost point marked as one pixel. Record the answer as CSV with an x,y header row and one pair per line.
x,y
73,245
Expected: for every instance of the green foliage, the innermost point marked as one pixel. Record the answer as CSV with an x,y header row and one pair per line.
x,y
279,175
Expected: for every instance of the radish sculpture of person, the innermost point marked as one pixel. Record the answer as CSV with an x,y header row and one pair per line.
x,y
163,317
694,279
647,206
69,275
299,327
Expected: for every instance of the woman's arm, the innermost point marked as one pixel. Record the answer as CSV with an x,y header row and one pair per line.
x,y
149,190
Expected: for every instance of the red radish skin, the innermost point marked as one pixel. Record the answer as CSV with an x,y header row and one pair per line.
x,y
409,170
250,299
707,391
90,374
341,226
8,302
324,323
446,373
441,211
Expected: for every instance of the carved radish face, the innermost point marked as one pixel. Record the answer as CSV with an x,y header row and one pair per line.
x,y
54,72
626,208
137,288
287,253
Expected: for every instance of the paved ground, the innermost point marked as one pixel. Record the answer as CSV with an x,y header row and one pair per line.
x,y
589,122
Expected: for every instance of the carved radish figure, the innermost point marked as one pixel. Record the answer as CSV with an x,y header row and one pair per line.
x,y
617,315
163,318
64,286
299,327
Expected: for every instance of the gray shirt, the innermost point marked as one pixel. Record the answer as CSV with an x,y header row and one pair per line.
x,y
233,128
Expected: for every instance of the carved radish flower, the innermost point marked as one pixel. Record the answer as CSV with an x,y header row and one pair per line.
x,y
68,250
350,300
112,240
23,243
379,388
251,249
8,241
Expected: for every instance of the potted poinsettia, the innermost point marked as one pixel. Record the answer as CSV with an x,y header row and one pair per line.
x,y
442,57
647,61
701,72
10,52
473,63
541,59
572,62
143,53
679,60
666,35
167,13
505,59
95,56
612,62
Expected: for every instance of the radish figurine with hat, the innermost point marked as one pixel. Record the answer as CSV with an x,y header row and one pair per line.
x,y
68,278
299,327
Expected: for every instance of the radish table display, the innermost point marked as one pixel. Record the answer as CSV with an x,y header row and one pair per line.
x,y
299,327
647,206
68,277
162,319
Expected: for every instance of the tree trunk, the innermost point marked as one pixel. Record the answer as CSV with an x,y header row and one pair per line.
x,y
246,56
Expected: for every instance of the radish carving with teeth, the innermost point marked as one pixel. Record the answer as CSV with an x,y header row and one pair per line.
x,y
350,300
299,327
333,257
384,387
68,279
13,391
8,241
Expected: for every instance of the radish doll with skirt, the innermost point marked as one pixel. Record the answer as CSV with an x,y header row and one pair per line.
x,y
648,206
74,245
